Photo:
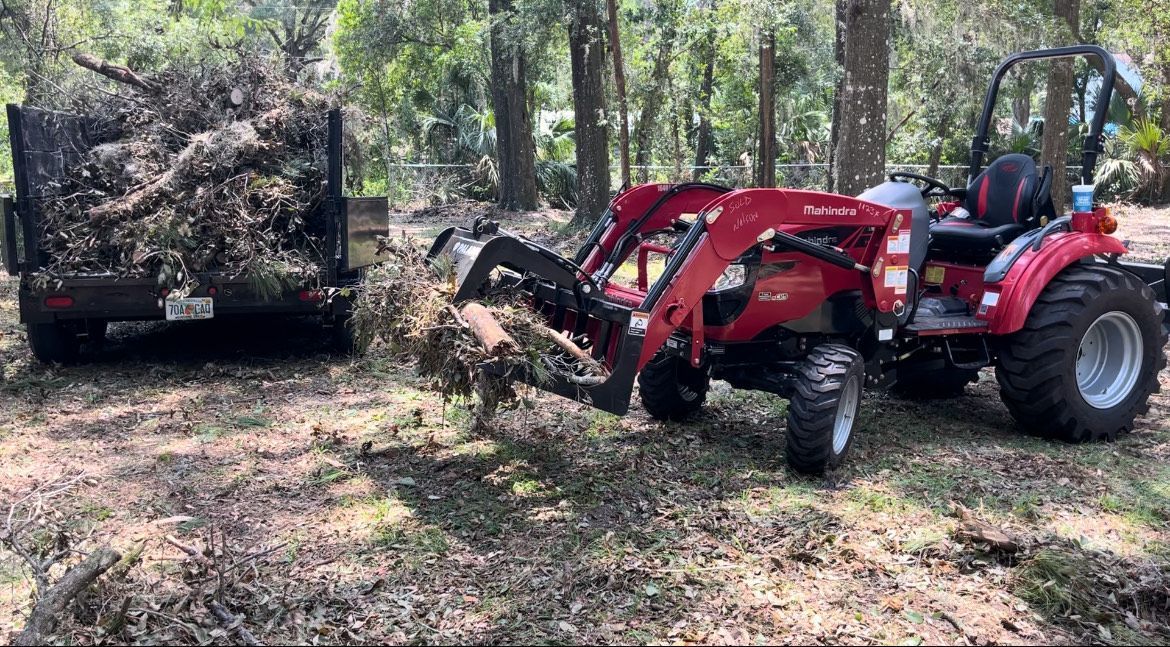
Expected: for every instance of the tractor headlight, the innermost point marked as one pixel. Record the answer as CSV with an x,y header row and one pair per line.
x,y
733,277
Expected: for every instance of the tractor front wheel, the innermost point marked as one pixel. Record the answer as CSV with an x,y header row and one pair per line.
x,y
672,389
824,407
1085,363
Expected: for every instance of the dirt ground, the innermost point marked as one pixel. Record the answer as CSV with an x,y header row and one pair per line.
x,y
341,500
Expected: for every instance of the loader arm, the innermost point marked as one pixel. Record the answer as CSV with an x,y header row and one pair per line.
x,y
738,221
623,328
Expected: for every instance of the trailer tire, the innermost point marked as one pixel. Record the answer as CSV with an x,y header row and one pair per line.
x,y
54,342
342,336
672,389
824,407
1088,357
95,331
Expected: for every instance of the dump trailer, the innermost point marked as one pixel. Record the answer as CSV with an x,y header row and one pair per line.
x,y
65,311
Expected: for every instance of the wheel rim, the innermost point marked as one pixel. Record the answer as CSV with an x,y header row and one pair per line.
x,y
1109,360
846,413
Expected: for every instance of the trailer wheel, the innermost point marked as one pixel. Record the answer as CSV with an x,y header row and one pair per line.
x,y
1085,363
823,409
54,342
672,389
342,336
95,331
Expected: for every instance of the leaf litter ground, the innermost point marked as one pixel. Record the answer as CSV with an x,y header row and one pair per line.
x,y
371,512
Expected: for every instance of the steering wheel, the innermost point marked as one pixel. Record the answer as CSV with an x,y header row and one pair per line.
x,y
934,188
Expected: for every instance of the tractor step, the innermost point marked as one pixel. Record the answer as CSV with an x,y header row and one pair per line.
x,y
946,325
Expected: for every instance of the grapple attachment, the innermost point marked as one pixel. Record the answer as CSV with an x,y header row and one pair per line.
x,y
488,259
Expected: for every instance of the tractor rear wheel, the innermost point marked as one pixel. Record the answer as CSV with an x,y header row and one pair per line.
x,y
1085,363
672,389
824,407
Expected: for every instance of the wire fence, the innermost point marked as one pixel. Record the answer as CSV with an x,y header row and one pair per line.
x,y
443,183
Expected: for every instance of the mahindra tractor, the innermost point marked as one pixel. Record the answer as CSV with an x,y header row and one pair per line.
x,y
815,297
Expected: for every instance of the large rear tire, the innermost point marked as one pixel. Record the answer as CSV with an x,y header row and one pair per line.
x,y
824,407
54,342
672,389
1085,363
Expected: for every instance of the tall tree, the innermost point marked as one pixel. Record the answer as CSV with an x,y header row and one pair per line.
x,y
515,150
766,158
619,81
296,29
587,57
859,157
839,12
1058,103
706,88
652,102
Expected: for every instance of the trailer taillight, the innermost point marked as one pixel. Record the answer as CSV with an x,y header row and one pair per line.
x,y
59,301
310,295
164,292
212,291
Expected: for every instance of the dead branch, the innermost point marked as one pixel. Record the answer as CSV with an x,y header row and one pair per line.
x,y
231,623
222,615
979,531
567,345
47,613
117,73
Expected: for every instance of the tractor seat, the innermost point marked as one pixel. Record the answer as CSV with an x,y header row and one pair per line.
x,y
1007,199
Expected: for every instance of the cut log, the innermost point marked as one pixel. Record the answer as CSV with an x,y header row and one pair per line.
x,y
117,73
47,613
236,97
577,352
496,341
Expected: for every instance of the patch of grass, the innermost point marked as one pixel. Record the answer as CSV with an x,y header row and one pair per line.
x,y
207,434
253,421
869,499
427,541
166,458
526,486
328,474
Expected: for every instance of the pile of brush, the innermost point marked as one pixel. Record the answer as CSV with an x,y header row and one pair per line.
x,y
219,167
405,302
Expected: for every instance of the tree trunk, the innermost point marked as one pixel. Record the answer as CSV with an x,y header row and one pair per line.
x,y
703,137
515,150
766,159
1058,106
1165,121
644,131
587,57
860,150
839,57
936,151
619,81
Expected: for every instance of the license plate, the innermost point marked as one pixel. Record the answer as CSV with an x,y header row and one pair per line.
x,y
188,309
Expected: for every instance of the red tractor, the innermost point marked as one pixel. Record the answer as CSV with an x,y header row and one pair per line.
x,y
815,296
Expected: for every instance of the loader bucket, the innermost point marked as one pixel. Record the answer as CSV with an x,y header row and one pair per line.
x,y
485,256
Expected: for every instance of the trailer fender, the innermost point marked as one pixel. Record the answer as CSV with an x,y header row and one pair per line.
x,y
1008,299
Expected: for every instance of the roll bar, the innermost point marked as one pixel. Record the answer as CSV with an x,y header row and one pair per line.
x,y
1093,143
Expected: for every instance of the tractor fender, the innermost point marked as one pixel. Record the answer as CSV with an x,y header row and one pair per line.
x,y
1007,301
